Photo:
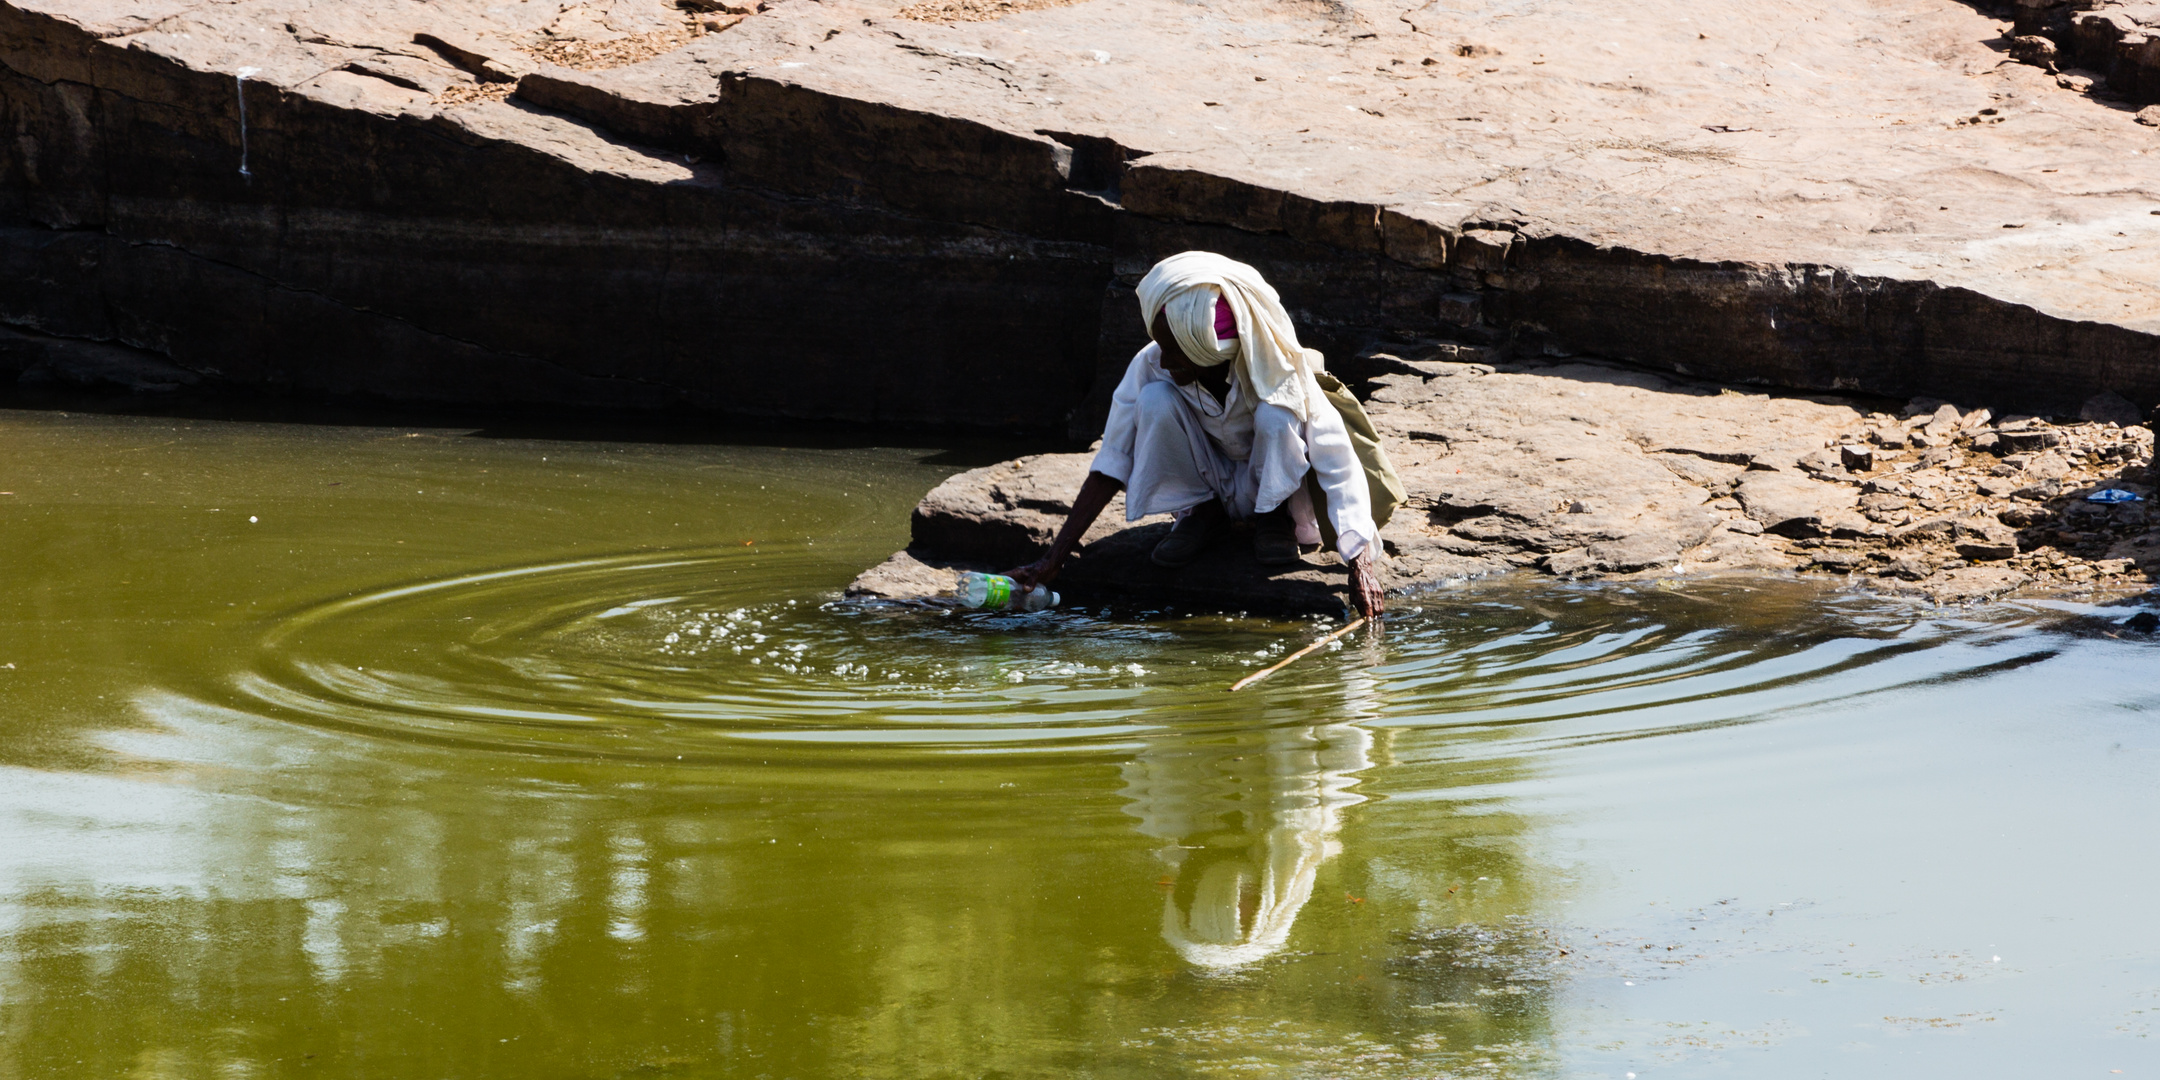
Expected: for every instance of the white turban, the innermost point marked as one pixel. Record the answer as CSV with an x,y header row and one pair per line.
x,y
1186,285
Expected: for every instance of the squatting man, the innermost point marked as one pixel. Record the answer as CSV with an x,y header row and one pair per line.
x,y
1220,418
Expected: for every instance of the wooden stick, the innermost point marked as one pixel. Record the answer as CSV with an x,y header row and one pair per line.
x,y
1293,657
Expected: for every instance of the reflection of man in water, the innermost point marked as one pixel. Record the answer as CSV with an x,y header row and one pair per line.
x,y
1248,821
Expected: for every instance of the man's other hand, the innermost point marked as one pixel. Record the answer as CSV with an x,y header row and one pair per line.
x,y
1039,572
1365,583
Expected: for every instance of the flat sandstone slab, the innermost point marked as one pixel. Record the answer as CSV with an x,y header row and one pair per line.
x,y
1889,138
1580,470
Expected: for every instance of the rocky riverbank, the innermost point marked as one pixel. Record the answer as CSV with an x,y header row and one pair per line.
x,y
1584,469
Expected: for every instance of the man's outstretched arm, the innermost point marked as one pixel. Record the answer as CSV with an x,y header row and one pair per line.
x,y
1095,493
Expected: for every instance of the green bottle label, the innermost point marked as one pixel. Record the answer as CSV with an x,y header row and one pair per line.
x,y
1000,592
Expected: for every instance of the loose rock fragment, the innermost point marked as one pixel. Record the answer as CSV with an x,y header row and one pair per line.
x,y
1791,505
1838,562
1945,424
1970,585
1986,541
2025,439
2037,51
2110,407
2022,517
1909,568
1932,529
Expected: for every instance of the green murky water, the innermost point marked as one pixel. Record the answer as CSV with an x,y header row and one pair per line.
x,y
400,753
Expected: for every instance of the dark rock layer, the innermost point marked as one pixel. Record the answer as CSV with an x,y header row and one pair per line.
x,y
445,259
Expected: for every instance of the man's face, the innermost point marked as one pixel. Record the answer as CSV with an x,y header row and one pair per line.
x,y
1175,363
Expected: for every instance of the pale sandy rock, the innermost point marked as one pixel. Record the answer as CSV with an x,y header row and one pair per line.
x,y
908,577
354,90
411,72
559,137
1795,506
1626,556
1857,146
1984,540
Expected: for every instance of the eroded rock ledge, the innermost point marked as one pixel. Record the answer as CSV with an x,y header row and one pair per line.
x,y
1581,469
838,211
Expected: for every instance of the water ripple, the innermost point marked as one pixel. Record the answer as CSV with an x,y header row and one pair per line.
x,y
645,656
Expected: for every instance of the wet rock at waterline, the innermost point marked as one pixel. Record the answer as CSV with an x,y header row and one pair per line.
x,y
1000,516
38,360
1006,514
1117,570
1585,470
933,213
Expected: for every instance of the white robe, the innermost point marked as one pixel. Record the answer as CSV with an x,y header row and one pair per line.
x,y
1175,447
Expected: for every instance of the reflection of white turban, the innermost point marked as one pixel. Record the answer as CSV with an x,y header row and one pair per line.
x,y
1186,285
1242,912
1239,890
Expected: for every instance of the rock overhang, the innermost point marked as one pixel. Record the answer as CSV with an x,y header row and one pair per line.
x,y
1864,170
1852,195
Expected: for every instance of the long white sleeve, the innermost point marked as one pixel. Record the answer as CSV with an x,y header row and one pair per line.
x,y
1342,478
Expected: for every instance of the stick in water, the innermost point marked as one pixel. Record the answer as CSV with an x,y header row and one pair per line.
x,y
1293,657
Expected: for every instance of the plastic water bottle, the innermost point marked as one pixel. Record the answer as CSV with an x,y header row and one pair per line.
x,y
1000,593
